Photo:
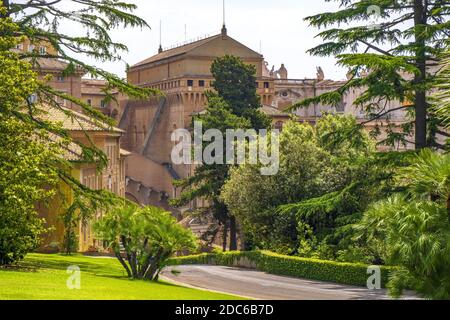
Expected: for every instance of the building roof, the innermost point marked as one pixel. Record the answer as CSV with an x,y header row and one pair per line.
x,y
273,112
266,109
70,151
95,87
94,82
75,121
73,152
177,51
47,64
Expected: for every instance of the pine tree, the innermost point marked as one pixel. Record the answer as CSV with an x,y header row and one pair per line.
x,y
390,61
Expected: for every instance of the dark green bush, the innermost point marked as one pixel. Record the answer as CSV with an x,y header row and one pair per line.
x,y
313,269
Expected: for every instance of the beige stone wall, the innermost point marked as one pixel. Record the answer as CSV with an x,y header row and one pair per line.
x,y
70,85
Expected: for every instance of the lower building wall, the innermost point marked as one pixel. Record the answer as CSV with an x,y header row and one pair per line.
x,y
52,212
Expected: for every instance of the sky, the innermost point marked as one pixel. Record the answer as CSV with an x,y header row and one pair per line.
x,y
274,27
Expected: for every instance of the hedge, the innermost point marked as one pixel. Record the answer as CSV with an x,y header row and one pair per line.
x,y
305,268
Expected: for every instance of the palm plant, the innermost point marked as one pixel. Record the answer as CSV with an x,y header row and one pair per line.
x,y
143,239
428,177
441,99
415,227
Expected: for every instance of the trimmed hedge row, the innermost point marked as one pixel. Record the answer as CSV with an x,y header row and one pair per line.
x,y
313,269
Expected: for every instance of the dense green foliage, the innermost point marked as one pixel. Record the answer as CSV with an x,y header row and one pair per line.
x,y
29,158
326,184
391,48
234,106
235,82
148,236
314,269
32,159
26,173
414,227
441,99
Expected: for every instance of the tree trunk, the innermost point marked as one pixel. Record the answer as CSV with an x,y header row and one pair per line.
x,y
68,241
420,19
133,264
123,263
225,236
233,234
131,258
154,265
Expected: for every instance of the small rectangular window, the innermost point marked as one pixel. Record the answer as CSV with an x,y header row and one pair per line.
x,y
266,85
103,104
190,83
89,102
201,83
42,50
61,79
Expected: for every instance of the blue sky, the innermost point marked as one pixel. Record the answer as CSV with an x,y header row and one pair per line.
x,y
275,26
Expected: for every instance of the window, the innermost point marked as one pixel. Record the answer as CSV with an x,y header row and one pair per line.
x,y
201,83
89,102
31,48
103,104
42,50
61,79
279,125
190,83
341,106
19,46
266,85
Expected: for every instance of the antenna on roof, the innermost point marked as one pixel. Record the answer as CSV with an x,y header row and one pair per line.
x,y
185,32
160,37
224,28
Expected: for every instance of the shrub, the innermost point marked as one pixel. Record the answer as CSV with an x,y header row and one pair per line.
x,y
51,248
313,269
147,237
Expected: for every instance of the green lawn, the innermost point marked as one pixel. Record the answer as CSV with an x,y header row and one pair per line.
x,y
44,277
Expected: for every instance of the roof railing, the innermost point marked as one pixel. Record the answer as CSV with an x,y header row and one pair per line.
x,y
181,44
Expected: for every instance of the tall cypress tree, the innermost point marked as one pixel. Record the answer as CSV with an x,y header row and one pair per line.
x,y
234,105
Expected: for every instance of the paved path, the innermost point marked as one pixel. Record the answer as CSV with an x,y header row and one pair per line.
x,y
260,285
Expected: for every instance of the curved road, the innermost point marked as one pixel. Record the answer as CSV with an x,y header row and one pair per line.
x,y
263,286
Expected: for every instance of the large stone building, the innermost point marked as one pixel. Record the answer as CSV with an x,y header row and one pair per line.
x,y
289,91
145,173
183,75
82,130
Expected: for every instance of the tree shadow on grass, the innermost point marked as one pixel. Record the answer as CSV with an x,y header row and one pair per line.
x,y
18,268
62,262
